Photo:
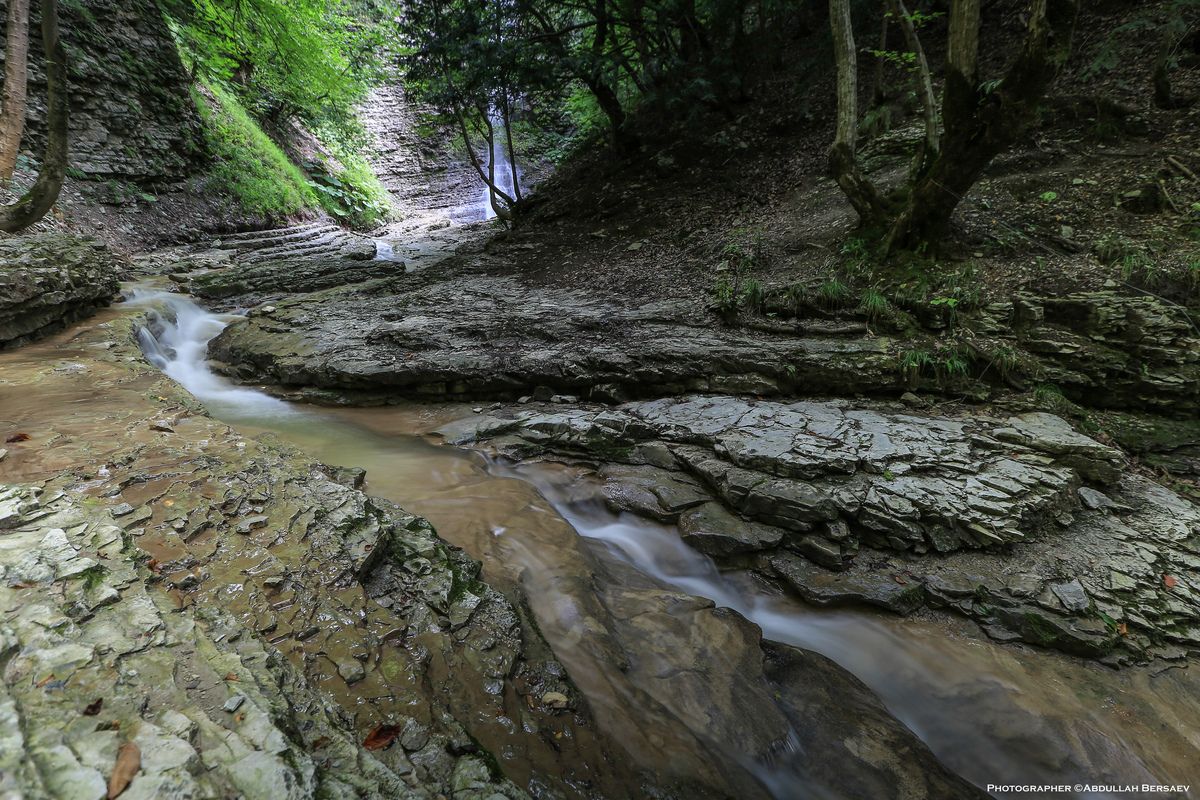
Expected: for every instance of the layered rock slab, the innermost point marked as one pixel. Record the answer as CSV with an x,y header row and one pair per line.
x,y
99,660
486,335
49,280
1036,531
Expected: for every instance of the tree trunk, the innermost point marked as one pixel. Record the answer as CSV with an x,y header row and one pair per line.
x,y
487,177
44,192
879,96
16,57
929,147
843,160
512,151
980,125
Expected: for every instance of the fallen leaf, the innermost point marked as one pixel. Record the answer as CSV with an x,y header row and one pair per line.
x,y
382,737
129,761
153,565
45,680
899,580
1123,629
17,437
1169,581
93,708
231,676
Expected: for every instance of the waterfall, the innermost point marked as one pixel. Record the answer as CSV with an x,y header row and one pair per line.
x,y
505,173
175,339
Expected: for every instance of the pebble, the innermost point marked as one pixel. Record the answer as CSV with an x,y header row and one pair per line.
x,y
234,703
555,700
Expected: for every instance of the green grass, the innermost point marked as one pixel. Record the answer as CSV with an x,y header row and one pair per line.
x,y
873,304
248,165
833,293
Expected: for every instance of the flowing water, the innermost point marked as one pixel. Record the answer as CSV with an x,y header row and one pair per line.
x,y
505,172
994,714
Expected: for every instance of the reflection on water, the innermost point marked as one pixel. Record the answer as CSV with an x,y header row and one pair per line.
x,y
994,714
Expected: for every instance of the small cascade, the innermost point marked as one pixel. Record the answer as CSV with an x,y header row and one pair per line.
x,y
175,339
506,174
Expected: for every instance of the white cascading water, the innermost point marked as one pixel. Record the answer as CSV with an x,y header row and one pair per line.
x,y
180,349
918,687
505,172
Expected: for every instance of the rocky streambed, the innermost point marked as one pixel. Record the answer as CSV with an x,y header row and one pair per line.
x,y
624,599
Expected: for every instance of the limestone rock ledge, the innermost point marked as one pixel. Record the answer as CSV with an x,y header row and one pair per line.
x,y
95,655
49,280
1038,532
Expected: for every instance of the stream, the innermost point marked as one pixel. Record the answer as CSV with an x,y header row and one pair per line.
x,y
994,714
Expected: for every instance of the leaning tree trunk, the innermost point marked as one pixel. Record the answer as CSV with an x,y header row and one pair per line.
x,y
843,161
979,125
16,58
44,192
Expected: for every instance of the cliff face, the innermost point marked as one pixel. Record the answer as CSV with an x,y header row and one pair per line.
x,y
132,117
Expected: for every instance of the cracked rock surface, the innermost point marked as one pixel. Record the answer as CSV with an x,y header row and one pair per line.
x,y
1036,531
96,656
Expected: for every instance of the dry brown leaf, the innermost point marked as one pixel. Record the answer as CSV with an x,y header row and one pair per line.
x,y
381,737
1169,581
93,708
45,680
129,761
17,437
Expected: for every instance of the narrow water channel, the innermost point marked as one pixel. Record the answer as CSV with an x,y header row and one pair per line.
x,y
995,714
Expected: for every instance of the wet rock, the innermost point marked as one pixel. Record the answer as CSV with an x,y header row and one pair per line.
x,y
556,700
301,258
1106,349
541,341
156,668
825,588
249,524
844,506
1050,434
48,280
833,715
1072,596
714,531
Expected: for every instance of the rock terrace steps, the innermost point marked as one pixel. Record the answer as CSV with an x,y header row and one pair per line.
x,y
300,258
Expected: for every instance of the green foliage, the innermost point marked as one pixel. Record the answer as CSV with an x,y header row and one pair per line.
x,y
945,363
873,304
734,287
1003,359
592,64
311,59
353,195
1048,197
753,296
1049,397
725,295
833,293
248,166
914,362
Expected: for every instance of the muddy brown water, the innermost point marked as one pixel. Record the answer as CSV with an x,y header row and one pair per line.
x,y
617,599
